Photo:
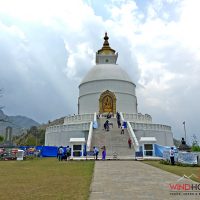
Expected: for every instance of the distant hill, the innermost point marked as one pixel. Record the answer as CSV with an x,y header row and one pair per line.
x,y
36,134
16,122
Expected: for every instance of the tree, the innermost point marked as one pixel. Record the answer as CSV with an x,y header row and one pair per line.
x,y
194,140
1,96
1,107
34,136
1,138
195,144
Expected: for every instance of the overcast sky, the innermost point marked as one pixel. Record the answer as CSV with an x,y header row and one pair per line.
x,y
46,48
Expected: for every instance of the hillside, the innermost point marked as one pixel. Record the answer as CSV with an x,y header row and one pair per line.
x,y
36,134
54,122
16,122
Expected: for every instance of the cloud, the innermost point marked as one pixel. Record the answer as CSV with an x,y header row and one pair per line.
x,y
48,46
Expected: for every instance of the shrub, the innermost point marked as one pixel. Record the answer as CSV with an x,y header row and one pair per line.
x,y
29,157
165,162
195,148
186,165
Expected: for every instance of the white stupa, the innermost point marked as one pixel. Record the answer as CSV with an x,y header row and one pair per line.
x,y
107,83
107,88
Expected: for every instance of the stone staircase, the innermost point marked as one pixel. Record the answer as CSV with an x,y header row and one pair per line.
x,y
113,140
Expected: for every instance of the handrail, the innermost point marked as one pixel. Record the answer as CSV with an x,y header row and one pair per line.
x,y
89,140
138,117
78,118
95,117
146,126
122,117
133,137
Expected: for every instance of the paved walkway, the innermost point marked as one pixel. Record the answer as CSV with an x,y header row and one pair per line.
x,y
124,180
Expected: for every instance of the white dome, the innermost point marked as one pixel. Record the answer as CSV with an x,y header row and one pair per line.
x,y
106,72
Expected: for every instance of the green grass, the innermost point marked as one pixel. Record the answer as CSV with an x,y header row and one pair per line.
x,y
45,178
179,170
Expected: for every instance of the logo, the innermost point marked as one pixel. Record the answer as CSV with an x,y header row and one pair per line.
x,y
187,177
185,186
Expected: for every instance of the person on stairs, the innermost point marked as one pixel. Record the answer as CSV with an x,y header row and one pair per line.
x,y
122,129
129,143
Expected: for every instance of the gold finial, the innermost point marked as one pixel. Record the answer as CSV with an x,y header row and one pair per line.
x,y
106,48
106,38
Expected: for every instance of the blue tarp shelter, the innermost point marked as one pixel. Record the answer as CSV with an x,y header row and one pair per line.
x,y
159,149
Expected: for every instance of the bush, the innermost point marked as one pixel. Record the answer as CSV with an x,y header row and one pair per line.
x,y
196,148
29,157
186,165
165,162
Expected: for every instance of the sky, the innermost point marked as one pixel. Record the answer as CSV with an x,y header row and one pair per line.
x,y
48,46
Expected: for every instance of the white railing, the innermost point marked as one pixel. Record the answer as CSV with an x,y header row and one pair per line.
x,y
139,118
79,118
121,117
133,137
89,140
143,126
69,127
95,117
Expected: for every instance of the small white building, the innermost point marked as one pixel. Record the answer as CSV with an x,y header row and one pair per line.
x,y
77,147
147,144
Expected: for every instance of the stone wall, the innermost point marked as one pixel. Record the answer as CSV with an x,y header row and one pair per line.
x,y
63,138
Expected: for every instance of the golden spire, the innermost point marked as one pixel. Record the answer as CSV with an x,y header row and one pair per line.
x,y
106,38
106,47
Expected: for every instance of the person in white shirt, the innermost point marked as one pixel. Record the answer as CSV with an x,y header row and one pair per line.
x,y
171,152
96,153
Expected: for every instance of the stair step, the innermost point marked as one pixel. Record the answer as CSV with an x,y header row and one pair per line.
x,y
112,139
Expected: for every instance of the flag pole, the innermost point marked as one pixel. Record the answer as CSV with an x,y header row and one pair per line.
x,y
184,130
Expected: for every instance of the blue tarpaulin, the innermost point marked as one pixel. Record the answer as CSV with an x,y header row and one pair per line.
x,y
124,124
46,151
95,124
49,151
160,149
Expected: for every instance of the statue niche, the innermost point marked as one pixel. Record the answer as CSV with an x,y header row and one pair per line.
x,y
107,102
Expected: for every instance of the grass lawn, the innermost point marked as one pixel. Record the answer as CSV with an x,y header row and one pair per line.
x,y
179,170
45,178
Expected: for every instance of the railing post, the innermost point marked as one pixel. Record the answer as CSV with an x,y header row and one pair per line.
x,y
90,137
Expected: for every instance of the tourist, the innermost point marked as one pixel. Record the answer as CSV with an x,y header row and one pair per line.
x,y
106,125
118,116
108,116
95,152
129,142
122,131
119,123
64,156
68,152
60,153
183,141
171,153
104,153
